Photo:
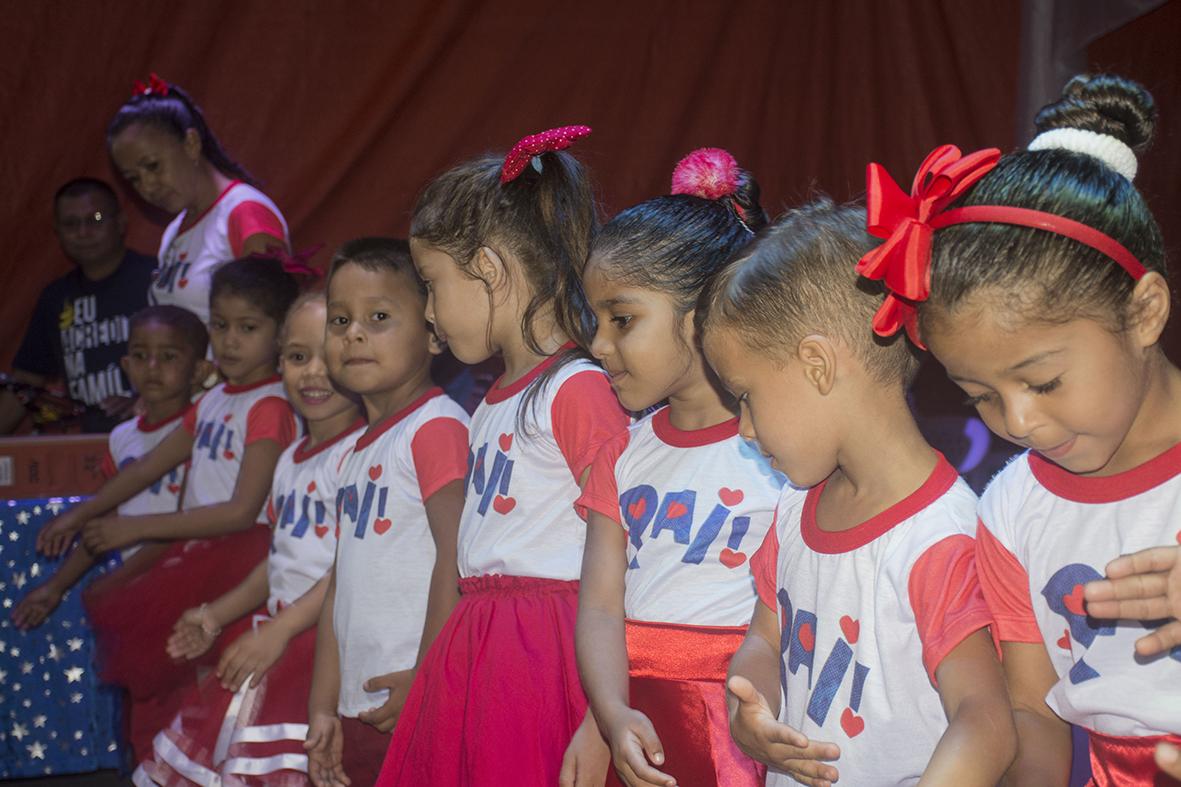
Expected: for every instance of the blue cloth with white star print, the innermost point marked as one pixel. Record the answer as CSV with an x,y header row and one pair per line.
x,y
55,716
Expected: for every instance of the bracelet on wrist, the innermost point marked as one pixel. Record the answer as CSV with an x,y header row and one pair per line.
x,y
210,628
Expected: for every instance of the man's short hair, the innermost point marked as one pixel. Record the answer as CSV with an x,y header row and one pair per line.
x,y
79,186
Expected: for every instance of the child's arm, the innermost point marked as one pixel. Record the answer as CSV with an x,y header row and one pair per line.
x,y
753,696
980,741
130,481
1043,739
602,655
443,510
238,513
41,601
197,629
325,743
1145,585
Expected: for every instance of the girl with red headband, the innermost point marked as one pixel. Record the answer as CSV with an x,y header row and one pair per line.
x,y
1038,280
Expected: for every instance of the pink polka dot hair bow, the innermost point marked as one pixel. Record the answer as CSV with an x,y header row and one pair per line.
x,y
155,86
550,141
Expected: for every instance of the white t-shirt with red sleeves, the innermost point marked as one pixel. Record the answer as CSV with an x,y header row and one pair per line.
x,y
866,615
518,514
302,513
223,422
386,552
694,504
190,252
1046,532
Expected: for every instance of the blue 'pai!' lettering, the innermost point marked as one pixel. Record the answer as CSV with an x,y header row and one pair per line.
x,y
207,438
347,504
489,484
639,509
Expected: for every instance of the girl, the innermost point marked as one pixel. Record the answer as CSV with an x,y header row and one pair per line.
x,y
161,145
247,721
398,504
870,616
671,502
232,439
1061,355
500,243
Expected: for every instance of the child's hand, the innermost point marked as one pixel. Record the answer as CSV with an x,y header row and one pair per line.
x,y
763,737
55,537
385,716
192,635
1168,759
634,744
107,533
34,608
251,654
325,748
587,757
1145,585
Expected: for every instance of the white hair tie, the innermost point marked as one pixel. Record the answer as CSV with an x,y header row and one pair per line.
x,y
1108,149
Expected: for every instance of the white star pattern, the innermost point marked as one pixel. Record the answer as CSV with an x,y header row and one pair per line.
x,y
74,674
36,751
54,652
39,721
22,517
20,580
75,698
26,668
75,643
19,731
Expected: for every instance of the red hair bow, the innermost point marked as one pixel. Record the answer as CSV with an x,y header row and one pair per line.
x,y
903,262
534,145
155,86
296,263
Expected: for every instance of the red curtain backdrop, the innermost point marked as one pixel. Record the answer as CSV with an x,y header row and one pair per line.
x,y
345,109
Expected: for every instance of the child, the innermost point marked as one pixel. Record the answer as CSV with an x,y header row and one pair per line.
x,y
870,614
163,148
232,438
672,502
253,732
399,493
1061,355
501,243
165,363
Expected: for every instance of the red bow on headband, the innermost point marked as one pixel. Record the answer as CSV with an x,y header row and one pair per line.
x,y
155,86
297,263
546,142
903,262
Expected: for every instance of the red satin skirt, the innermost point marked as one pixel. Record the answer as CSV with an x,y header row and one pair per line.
x,y
678,680
1119,762
249,737
497,698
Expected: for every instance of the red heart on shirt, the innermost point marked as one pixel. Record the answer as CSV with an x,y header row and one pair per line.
x,y
1064,640
321,531
636,509
338,531
850,628
228,454
182,256
851,723
807,637
227,417
730,497
732,559
311,487
174,488
1179,536
381,525
375,472
504,504
182,283
1074,601
676,510
506,442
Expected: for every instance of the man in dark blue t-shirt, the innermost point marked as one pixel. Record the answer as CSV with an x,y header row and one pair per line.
x,y
78,332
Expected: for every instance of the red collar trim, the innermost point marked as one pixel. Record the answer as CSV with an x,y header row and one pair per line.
x,y
144,426
941,479
381,427
496,394
662,425
186,225
237,389
1106,488
303,453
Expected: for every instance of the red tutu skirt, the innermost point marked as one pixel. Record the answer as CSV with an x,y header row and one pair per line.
x,y
497,698
678,680
1116,761
364,748
249,737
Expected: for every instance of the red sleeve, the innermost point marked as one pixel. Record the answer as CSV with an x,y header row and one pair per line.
x,y
1006,590
764,565
601,493
271,419
108,468
945,595
189,421
440,448
249,219
585,414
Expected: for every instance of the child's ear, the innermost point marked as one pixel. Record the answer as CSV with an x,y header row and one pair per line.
x,y
490,268
192,145
819,360
434,345
1148,309
202,369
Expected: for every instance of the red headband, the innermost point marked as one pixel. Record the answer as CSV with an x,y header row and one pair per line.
x,y
906,222
546,142
155,86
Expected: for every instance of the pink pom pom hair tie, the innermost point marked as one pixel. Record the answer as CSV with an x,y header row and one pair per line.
x,y
550,141
710,173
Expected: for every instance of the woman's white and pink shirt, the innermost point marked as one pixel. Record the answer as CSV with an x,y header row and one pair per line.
x,y
518,515
386,551
695,504
1044,533
866,616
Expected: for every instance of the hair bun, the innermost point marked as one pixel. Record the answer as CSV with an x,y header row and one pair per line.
x,y
1105,104
709,173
